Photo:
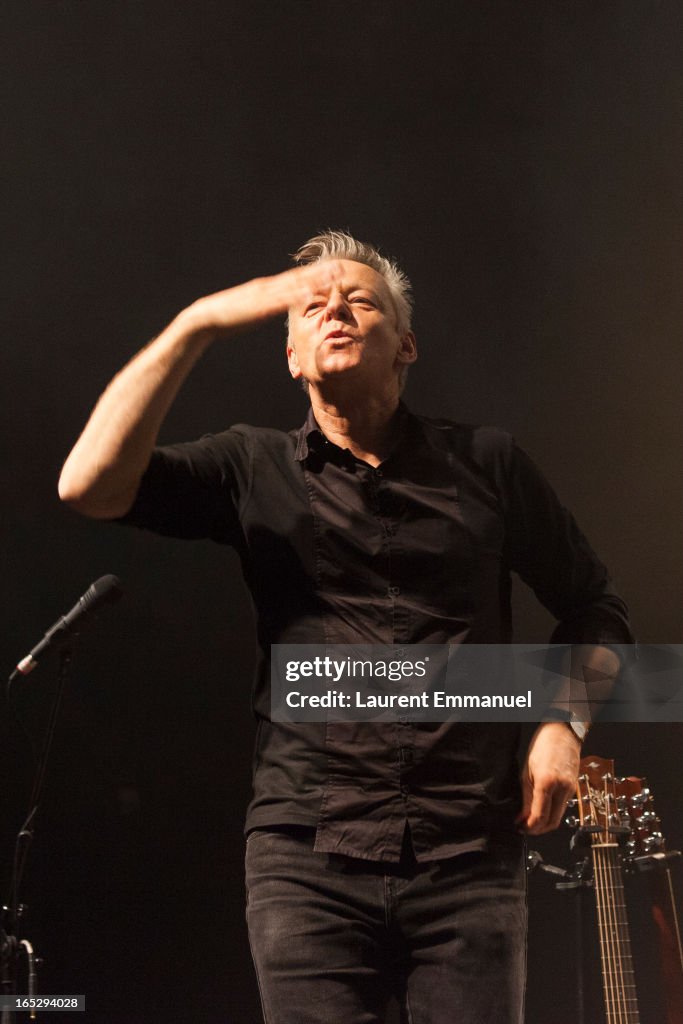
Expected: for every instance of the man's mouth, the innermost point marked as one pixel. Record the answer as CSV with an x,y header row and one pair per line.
x,y
339,336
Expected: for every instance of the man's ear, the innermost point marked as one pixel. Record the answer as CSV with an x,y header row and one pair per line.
x,y
293,362
407,351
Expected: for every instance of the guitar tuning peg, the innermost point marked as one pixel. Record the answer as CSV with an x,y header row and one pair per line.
x,y
571,820
654,841
573,802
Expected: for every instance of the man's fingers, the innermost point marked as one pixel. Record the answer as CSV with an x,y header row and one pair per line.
x,y
299,284
547,807
559,806
540,810
527,794
271,296
245,305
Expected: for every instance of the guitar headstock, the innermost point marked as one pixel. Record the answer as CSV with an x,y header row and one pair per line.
x,y
600,810
609,807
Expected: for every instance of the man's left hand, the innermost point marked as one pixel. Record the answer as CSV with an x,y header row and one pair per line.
x,y
549,777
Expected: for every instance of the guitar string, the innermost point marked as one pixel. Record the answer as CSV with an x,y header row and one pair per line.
x,y
627,935
625,966
613,931
627,983
626,938
612,1007
608,857
604,948
603,929
618,976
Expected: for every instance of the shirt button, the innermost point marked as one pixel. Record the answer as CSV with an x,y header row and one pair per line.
x,y
394,591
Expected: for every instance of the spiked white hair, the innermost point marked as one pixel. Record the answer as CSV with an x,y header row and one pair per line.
x,y
339,245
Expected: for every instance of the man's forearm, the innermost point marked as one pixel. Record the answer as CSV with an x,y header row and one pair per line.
x,y
102,474
552,764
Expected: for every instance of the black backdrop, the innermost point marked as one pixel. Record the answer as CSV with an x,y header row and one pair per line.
x,y
523,162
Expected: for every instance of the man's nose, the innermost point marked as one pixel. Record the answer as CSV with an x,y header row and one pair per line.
x,y
337,307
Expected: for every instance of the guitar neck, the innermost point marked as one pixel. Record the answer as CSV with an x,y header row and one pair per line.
x,y
618,979
599,816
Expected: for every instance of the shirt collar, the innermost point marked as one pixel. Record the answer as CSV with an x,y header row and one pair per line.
x,y
310,437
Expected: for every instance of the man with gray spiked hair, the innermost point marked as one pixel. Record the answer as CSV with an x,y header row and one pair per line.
x,y
382,858
339,245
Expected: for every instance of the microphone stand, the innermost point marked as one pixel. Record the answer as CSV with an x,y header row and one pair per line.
x,y
10,946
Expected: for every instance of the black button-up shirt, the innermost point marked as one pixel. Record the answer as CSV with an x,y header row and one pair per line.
x,y
418,550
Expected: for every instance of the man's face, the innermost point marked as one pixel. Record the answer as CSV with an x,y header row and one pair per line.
x,y
348,329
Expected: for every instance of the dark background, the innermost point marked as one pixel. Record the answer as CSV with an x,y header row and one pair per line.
x,y
523,161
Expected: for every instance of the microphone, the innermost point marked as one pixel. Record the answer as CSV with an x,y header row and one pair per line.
x,y
103,591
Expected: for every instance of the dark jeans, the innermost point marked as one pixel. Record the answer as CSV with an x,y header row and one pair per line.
x,y
333,937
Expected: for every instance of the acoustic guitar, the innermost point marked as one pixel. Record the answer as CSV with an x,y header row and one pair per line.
x,y
617,818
